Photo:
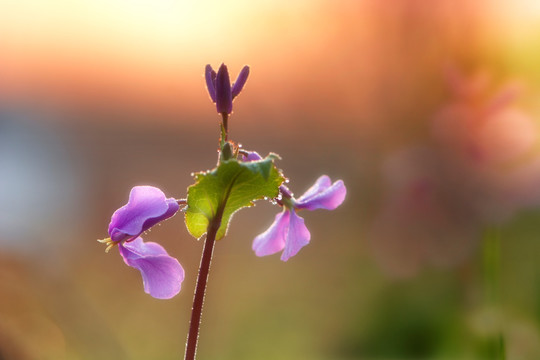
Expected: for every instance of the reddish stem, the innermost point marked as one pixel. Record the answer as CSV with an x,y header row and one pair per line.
x,y
200,290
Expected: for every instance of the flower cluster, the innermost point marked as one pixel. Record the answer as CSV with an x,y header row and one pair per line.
x,y
162,274
288,231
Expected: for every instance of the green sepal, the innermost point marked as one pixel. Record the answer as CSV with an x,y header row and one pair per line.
x,y
228,188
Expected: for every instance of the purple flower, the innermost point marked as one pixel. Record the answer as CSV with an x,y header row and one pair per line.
x,y
288,232
248,156
219,86
147,205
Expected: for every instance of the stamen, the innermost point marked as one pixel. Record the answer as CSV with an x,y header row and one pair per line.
x,y
109,247
110,244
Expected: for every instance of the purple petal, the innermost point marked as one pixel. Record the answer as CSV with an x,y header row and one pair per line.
x,y
322,183
172,208
272,240
223,91
323,195
297,236
147,206
210,76
162,274
251,156
240,81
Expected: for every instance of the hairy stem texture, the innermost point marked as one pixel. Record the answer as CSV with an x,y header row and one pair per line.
x,y
200,290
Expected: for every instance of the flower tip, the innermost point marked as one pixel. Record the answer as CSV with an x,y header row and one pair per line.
x,y
223,68
323,195
244,73
210,77
284,258
223,91
341,192
240,81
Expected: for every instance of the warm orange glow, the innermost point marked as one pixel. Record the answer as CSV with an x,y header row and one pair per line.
x,y
148,52
143,30
85,48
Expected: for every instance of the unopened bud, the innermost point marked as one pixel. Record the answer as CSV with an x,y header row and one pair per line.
x,y
227,151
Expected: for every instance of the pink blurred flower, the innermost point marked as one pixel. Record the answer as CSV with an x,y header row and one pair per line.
x,y
479,167
488,148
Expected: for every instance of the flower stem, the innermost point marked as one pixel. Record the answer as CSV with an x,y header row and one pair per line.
x,y
224,126
204,268
200,290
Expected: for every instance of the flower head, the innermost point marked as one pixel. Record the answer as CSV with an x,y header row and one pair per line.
x,y
288,231
147,205
481,136
219,86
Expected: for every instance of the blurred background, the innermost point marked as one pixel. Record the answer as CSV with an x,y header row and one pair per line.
x,y
428,110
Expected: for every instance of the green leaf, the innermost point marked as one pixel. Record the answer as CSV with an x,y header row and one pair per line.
x,y
226,189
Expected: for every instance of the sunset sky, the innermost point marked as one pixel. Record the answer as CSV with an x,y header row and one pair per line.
x,y
150,52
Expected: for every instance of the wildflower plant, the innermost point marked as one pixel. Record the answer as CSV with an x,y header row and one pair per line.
x,y
239,179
